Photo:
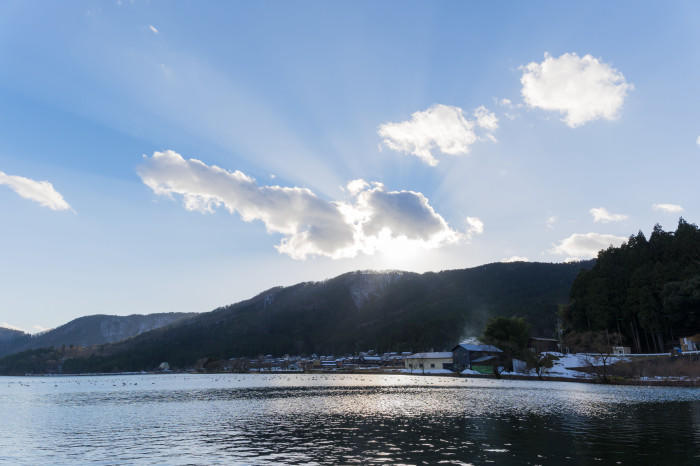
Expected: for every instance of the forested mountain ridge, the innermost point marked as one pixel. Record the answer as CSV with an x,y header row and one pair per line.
x,y
647,290
356,311
88,330
7,334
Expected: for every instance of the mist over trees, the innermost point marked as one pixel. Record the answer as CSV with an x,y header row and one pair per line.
x,y
645,293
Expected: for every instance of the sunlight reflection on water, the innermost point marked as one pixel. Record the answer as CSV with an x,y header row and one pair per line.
x,y
205,419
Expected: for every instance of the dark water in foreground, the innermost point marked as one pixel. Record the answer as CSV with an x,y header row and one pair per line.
x,y
209,419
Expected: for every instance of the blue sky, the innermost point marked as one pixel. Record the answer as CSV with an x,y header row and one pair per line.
x,y
589,106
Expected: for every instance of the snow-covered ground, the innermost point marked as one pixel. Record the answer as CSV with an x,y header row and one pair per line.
x,y
563,367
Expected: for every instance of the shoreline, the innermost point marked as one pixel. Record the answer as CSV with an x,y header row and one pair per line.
x,y
613,381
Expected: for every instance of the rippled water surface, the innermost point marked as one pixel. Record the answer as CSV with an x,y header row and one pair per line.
x,y
254,419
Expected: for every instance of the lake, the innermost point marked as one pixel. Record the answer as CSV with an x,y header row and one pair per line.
x,y
305,418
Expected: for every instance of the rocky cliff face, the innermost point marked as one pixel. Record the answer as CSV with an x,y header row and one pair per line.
x,y
87,331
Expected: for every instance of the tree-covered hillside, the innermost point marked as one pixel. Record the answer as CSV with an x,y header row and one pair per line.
x,y
11,338
355,311
647,290
87,331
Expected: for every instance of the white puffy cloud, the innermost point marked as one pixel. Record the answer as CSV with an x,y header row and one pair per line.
x,y
403,213
440,127
474,226
586,245
601,215
385,216
42,192
670,208
697,141
486,119
153,29
551,220
309,225
581,88
355,186
515,259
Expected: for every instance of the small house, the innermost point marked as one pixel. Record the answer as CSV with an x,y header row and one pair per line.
x,y
370,360
421,362
329,364
543,345
691,343
475,357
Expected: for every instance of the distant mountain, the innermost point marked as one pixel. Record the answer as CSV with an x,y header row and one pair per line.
x,y
356,311
11,338
87,331
9,334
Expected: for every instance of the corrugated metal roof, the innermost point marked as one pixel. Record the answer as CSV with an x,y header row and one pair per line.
x,y
439,355
483,348
484,358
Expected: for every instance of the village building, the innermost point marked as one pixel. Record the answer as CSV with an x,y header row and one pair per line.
x,y
370,360
543,345
691,343
393,359
428,361
329,364
480,358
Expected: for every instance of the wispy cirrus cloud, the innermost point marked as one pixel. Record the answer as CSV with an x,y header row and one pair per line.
x,y
440,128
583,89
309,225
41,192
602,215
670,208
510,109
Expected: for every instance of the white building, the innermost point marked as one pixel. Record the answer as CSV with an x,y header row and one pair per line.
x,y
420,362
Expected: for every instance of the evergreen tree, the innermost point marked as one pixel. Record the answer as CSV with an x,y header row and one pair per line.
x,y
646,290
